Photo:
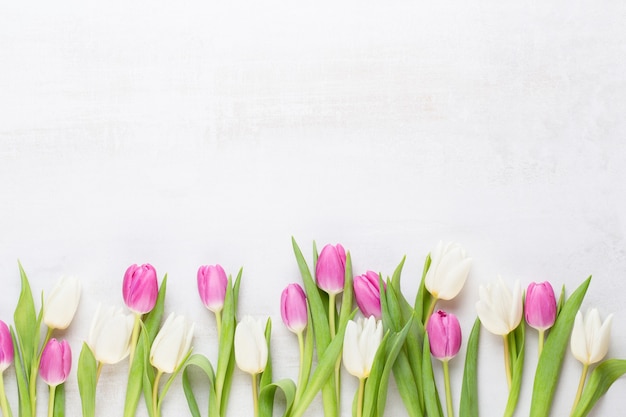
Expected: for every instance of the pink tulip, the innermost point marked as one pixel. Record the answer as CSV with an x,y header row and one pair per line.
x,y
293,308
540,306
444,334
367,294
56,361
331,269
6,347
140,288
212,283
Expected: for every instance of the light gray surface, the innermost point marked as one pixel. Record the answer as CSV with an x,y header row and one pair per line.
x,y
206,133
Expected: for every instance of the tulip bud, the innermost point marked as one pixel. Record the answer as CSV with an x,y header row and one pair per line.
x,y
56,362
367,294
293,308
590,337
360,343
540,307
449,267
250,345
172,344
6,347
330,271
444,335
212,283
140,288
499,310
110,333
61,304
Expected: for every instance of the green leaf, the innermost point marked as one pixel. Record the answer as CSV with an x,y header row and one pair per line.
x,y
373,380
423,297
517,365
431,396
205,366
348,292
266,375
25,320
22,382
59,401
551,358
87,374
469,390
267,397
599,383
229,322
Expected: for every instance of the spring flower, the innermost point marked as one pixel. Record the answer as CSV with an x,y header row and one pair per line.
x,y
172,344
448,271
61,304
293,308
250,345
109,335
140,288
56,362
499,310
6,347
360,344
540,306
212,283
331,269
444,335
367,294
590,337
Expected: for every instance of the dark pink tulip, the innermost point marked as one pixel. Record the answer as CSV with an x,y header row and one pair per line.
x,y
56,362
140,288
6,347
293,308
212,283
444,334
540,306
367,294
330,271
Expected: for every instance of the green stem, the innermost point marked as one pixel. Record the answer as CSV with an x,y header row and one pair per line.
x,y
255,396
431,309
301,382
218,321
155,394
359,404
332,310
6,410
542,334
134,338
581,385
507,360
33,374
51,401
446,380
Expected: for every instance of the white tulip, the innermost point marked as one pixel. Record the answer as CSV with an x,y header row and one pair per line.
x,y
590,337
172,343
110,333
499,310
360,344
61,304
449,267
250,345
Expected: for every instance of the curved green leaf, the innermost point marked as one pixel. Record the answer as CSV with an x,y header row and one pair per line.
x,y
202,362
267,397
469,390
87,374
599,383
431,396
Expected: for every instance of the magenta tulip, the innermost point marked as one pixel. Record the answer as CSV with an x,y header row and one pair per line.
x,y
6,347
331,269
56,361
444,334
367,294
212,283
540,306
140,288
293,308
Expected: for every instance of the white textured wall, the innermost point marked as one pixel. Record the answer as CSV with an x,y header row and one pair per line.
x,y
204,132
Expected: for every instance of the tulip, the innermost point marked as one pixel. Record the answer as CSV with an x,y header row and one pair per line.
x,y
212,283
540,308
110,333
61,304
6,358
449,267
444,335
250,345
367,294
56,361
172,344
293,308
331,269
360,343
140,288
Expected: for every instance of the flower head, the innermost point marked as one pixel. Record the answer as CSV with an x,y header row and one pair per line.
x,y
499,309
449,267
540,306
172,343
293,308
7,352
444,335
360,343
330,271
212,283
367,294
109,335
250,345
56,362
61,304
140,288
590,337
